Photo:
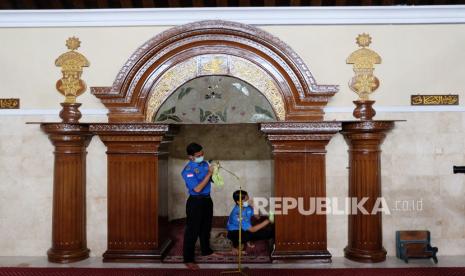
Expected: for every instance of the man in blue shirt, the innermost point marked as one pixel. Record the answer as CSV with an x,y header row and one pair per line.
x,y
249,232
199,207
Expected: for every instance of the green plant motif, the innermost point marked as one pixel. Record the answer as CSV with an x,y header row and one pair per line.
x,y
169,114
204,115
184,92
212,117
263,111
222,115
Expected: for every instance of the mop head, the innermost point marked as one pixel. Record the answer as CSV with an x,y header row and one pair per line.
x,y
218,180
271,216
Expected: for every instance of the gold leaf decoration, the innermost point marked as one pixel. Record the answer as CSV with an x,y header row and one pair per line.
x,y
71,63
205,65
364,82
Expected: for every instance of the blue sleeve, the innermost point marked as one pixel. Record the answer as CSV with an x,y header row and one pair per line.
x,y
233,221
249,212
190,179
246,220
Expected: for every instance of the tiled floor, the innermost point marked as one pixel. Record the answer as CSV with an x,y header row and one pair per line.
x,y
337,262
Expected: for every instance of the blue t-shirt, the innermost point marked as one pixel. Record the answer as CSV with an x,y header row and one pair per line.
x,y
193,174
233,221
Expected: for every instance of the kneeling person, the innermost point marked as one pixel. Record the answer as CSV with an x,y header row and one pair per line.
x,y
249,232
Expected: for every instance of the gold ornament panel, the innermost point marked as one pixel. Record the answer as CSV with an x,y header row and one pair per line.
x,y
364,82
205,65
434,99
71,85
12,103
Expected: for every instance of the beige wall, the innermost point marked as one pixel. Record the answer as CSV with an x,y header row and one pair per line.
x,y
417,156
416,58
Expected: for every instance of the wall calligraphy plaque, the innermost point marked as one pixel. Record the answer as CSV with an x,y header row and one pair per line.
x,y
9,103
434,99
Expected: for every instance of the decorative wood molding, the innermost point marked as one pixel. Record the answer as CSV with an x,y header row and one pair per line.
x,y
136,169
300,127
128,99
113,129
250,15
299,163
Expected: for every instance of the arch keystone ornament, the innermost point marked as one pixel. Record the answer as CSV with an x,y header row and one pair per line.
x,y
148,78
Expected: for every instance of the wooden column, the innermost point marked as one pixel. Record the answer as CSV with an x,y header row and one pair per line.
x,y
365,230
299,171
69,191
134,232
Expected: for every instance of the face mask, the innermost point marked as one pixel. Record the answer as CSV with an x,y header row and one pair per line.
x,y
245,204
198,159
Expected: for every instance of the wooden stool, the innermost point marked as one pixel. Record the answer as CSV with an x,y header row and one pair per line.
x,y
415,244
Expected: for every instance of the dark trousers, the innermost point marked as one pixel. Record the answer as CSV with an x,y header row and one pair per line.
x,y
262,234
199,212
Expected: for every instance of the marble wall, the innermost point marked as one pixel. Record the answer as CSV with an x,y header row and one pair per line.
x,y
417,161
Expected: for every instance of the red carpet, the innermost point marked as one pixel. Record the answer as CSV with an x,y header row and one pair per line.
x,y
434,271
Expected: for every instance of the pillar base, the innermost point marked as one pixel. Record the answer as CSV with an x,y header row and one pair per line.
x,y
67,256
137,256
365,256
321,256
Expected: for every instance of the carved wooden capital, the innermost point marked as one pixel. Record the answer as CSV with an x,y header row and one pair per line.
x,y
74,136
133,138
366,134
300,136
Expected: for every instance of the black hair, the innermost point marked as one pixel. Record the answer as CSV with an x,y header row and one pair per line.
x,y
193,148
236,195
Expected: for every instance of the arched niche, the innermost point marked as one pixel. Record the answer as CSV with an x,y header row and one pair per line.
x,y
162,64
216,99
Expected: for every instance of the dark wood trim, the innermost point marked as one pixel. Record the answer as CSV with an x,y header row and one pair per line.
x,y
116,4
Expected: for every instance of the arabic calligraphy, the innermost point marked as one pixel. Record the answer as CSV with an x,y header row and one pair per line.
x,y
9,103
434,100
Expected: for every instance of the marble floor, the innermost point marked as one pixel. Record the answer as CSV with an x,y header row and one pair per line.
x,y
337,262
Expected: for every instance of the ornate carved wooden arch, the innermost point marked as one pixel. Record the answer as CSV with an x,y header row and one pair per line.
x,y
127,99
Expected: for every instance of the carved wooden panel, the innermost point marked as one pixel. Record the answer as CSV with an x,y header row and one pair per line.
x,y
127,98
300,171
133,191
